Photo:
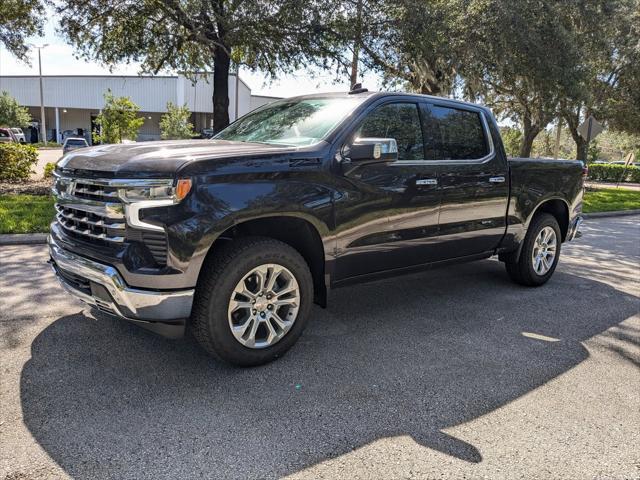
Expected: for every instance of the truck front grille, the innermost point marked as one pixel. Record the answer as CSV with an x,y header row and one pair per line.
x,y
90,211
93,212
90,224
95,192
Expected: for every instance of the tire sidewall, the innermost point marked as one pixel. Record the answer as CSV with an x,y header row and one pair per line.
x,y
224,342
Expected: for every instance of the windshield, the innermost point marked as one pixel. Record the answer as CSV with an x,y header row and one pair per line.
x,y
76,142
291,122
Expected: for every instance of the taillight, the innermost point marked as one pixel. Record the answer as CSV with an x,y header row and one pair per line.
x,y
585,171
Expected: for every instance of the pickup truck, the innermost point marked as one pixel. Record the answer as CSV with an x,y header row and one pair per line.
x,y
236,237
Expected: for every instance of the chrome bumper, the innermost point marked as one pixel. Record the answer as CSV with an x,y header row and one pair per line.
x,y
108,292
574,229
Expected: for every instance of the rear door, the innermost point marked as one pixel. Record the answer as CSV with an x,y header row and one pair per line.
x,y
473,179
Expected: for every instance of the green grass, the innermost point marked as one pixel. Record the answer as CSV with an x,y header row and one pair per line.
x,y
25,213
33,213
611,199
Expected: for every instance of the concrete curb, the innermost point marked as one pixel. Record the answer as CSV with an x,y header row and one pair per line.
x,y
618,213
23,239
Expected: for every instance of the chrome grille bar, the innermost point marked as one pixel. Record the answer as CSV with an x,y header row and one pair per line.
x,y
69,214
68,225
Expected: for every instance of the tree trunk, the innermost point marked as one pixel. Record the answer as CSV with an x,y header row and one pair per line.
x,y
354,65
221,64
353,79
573,122
581,148
530,132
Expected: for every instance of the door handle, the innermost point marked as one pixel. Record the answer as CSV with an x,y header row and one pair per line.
x,y
427,181
497,179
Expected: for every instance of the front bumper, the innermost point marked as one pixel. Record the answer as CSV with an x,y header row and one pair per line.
x,y
101,286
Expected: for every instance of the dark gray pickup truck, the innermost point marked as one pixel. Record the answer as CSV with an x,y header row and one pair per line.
x,y
237,236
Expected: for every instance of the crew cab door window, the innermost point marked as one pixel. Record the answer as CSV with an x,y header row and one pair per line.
x,y
454,134
400,121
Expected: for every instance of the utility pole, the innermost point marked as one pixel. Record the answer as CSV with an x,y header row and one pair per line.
x,y
353,79
237,103
43,123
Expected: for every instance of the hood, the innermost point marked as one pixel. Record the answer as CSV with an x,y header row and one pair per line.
x,y
160,158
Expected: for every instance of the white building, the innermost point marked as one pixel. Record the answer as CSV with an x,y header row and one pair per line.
x,y
73,102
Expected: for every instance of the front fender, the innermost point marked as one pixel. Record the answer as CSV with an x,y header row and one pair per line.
x,y
214,208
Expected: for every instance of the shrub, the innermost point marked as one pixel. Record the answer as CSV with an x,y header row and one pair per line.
x,y
48,170
17,161
602,172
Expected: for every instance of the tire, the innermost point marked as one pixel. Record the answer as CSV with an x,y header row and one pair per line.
x,y
524,271
212,318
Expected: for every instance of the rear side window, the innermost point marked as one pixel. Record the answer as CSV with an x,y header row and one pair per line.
x,y
454,134
397,120
4,133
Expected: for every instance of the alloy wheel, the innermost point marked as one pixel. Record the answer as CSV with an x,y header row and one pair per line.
x,y
264,305
544,250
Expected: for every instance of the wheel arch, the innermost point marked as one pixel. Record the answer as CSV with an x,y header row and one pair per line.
x,y
296,231
559,208
555,206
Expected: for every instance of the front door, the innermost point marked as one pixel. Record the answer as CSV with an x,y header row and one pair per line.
x,y
388,217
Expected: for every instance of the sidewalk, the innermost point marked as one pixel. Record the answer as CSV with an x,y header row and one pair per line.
x,y
623,185
45,156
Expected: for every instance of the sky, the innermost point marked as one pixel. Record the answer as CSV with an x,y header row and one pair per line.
x,y
58,59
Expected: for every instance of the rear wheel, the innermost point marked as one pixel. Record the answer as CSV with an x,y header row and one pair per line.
x,y
252,301
540,252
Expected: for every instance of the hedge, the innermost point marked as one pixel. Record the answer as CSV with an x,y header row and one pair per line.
x,y
603,172
17,161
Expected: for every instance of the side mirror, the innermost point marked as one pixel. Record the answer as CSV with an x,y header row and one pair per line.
x,y
371,150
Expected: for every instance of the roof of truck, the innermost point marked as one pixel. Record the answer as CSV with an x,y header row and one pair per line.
x,y
373,94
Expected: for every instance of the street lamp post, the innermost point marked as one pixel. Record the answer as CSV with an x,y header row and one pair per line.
x,y
43,122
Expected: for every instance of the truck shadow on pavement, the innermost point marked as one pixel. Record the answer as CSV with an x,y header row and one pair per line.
x,y
408,356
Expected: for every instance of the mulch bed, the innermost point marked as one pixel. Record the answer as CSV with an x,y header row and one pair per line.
x,y
31,187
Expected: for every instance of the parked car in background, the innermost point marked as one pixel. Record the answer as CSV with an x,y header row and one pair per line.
x,y
207,133
19,134
7,136
73,143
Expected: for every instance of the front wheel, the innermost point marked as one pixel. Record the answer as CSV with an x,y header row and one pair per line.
x,y
540,252
252,301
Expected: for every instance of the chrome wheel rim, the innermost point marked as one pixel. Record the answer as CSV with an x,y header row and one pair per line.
x,y
544,250
264,306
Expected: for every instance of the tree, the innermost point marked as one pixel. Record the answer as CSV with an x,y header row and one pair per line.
x,y
510,66
118,120
12,114
410,42
20,19
511,139
606,32
175,124
196,35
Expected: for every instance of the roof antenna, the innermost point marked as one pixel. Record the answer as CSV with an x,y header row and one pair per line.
x,y
357,88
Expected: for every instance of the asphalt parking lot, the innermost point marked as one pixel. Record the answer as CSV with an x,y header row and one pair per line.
x,y
452,373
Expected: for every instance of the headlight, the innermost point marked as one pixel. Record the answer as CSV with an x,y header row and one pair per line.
x,y
156,192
